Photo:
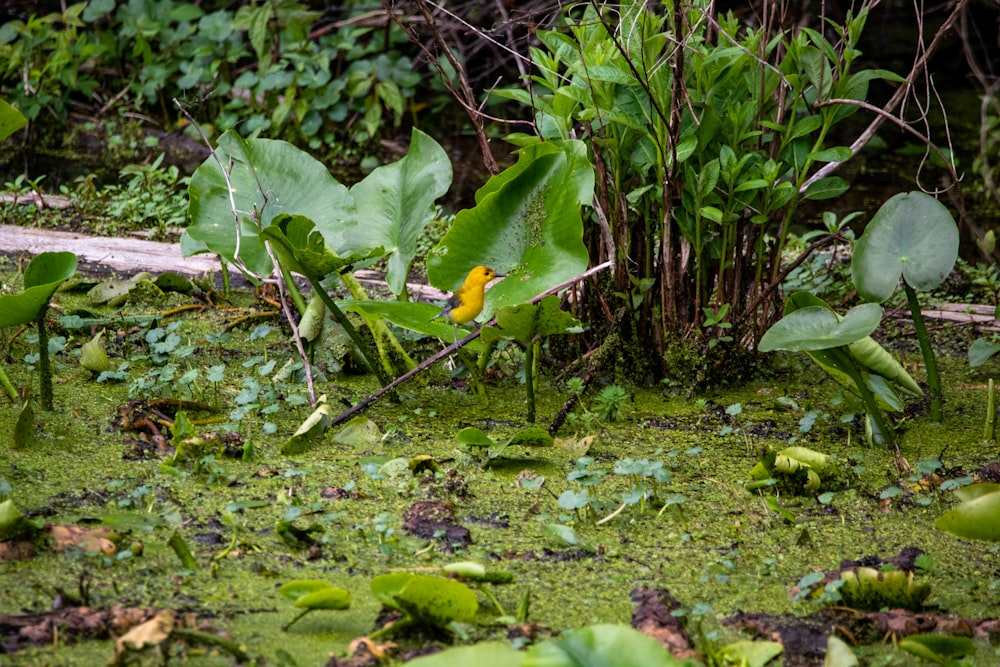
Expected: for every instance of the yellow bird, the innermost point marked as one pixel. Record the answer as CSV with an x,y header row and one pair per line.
x,y
467,301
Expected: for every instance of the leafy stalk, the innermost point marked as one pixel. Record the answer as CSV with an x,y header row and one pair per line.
x,y
530,351
352,333
933,380
880,433
7,385
44,367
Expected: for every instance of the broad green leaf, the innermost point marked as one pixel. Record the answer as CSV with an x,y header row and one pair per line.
x,y
484,654
818,70
325,598
981,351
42,277
867,353
600,646
474,436
396,201
301,248
977,519
11,120
817,328
876,359
293,590
751,653
827,188
531,437
562,534
937,648
268,178
526,224
360,433
425,599
912,235
526,323
836,154
115,292
412,315
973,491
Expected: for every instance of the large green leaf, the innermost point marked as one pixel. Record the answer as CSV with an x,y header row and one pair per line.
x,y
912,235
427,600
268,178
42,277
867,353
301,248
977,518
818,328
600,646
11,120
412,315
484,654
396,201
526,224
527,322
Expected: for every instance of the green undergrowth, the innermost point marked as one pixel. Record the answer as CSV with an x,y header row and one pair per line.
x,y
658,499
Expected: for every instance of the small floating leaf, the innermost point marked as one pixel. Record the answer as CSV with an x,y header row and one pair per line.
x,y
325,598
293,590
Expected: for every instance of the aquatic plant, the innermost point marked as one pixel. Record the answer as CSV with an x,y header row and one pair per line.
x,y
843,348
487,450
527,324
43,275
914,237
734,125
817,329
313,595
978,515
276,195
424,600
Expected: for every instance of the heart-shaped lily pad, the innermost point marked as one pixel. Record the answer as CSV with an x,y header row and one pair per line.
x,y
912,235
818,328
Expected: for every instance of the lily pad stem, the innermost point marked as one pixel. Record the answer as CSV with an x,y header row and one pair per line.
x,y
880,433
295,620
530,352
44,368
930,361
352,333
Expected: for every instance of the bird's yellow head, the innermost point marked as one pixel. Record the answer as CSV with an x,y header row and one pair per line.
x,y
480,276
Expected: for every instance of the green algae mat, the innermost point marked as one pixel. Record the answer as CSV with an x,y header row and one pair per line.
x,y
153,515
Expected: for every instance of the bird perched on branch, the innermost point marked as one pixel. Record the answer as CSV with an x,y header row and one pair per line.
x,y
467,301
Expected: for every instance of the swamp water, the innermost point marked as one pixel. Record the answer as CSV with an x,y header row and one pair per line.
x,y
657,500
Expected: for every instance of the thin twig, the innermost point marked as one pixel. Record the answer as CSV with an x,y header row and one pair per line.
x,y
780,278
229,189
903,125
918,66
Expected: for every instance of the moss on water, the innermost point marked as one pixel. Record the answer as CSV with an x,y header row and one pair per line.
x,y
716,547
